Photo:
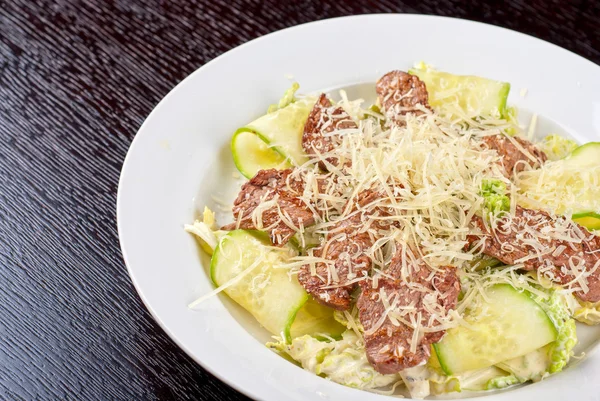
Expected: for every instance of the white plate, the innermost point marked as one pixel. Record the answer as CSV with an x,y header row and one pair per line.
x,y
180,157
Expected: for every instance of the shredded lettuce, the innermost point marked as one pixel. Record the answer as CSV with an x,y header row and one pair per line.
x,y
588,313
349,319
344,361
288,98
442,384
206,231
557,147
425,380
477,380
561,350
494,196
502,382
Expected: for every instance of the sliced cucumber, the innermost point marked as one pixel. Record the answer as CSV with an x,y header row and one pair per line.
x,y
474,96
282,129
568,186
251,153
587,155
433,360
504,325
589,220
317,321
263,287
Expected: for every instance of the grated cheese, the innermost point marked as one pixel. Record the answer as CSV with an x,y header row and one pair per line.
x,y
428,173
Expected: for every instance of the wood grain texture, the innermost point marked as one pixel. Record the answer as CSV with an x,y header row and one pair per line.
x,y
77,78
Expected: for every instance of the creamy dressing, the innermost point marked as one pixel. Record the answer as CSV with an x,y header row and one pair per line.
x,y
529,367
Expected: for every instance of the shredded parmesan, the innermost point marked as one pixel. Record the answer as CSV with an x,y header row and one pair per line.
x,y
427,174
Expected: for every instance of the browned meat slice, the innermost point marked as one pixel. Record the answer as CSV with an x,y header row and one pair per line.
x,y
332,282
558,248
345,255
413,297
286,211
401,93
513,159
324,119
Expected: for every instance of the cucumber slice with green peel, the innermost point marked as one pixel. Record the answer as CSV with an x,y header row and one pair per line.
x,y
587,155
258,280
251,153
317,321
474,96
589,220
503,325
282,129
568,186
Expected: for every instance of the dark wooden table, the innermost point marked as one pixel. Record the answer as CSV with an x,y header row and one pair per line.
x,y
77,78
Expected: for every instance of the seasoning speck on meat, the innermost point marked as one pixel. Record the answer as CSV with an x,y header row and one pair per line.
x,y
561,250
513,159
401,93
331,281
320,135
419,296
271,201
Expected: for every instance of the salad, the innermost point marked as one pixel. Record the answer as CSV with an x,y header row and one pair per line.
x,y
426,242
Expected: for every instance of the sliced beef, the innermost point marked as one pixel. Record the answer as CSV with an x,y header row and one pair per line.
x,y
344,249
344,254
414,297
401,93
280,188
562,243
319,136
513,159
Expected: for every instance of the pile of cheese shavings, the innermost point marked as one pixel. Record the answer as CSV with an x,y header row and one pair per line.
x,y
429,175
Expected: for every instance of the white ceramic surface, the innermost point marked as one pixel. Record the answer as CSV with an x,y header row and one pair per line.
x,y
180,159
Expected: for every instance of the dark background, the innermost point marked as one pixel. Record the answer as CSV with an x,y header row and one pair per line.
x,y
76,81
